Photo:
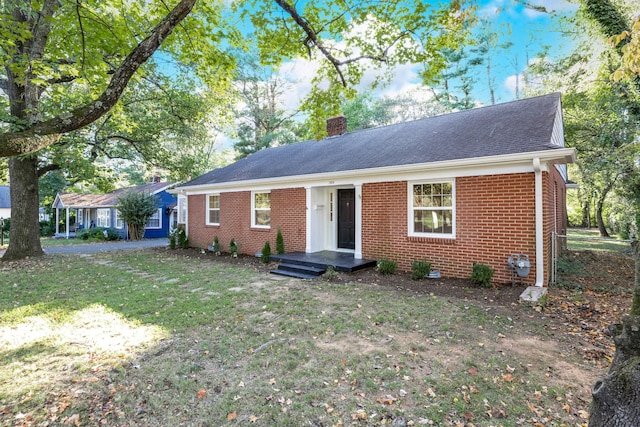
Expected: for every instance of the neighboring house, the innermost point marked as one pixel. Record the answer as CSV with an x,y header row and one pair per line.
x,y
5,202
472,186
100,210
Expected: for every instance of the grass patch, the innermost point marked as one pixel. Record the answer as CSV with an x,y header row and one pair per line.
x,y
579,239
158,338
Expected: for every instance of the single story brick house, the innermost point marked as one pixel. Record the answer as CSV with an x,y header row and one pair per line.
x,y
100,210
472,186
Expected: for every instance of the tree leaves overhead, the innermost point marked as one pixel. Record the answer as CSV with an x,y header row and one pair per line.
x,y
347,39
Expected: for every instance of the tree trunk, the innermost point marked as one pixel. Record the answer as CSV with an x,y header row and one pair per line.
x,y
600,206
24,234
616,397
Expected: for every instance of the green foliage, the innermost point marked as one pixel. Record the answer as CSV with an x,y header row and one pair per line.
x,y
181,233
107,234
387,266
47,228
330,273
279,243
233,248
266,253
217,248
481,274
135,209
420,269
173,237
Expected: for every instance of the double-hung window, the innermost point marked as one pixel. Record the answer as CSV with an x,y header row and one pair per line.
x,y
261,209
103,218
213,209
156,219
432,209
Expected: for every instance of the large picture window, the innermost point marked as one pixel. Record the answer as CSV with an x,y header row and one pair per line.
x,y
213,209
103,218
432,212
156,219
261,208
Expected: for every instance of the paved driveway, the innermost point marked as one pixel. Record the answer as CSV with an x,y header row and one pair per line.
x,y
90,248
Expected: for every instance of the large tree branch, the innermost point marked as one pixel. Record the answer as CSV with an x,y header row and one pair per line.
x,y
313,40
42,134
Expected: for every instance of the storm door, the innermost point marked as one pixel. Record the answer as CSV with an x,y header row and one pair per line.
x,y
347,219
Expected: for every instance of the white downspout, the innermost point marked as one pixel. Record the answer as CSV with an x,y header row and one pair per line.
x,y
539,223
358,252
307,233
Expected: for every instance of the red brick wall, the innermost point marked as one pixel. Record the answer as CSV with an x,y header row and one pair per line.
x,y
495,217
555,213
288,211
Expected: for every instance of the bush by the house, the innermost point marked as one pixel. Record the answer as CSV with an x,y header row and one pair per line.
x,y
97,234
47,228
387,266
181,237
266,253
481,275
173,237
420,269
279,243
216,246
136,209
233,248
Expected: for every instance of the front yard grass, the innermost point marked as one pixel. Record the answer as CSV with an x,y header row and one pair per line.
x,y
161,338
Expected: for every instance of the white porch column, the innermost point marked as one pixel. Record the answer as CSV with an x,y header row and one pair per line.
x,y
539,224
358,251
67,219
57,220
307,233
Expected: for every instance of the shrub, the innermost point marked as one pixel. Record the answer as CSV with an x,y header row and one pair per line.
x,y
387,266
266,252
233,248
482,274
136,209
181,234
279,243
47,229
108,234
420,269
330,274
173,236
216,246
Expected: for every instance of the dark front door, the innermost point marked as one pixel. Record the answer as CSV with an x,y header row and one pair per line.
x,y
347,219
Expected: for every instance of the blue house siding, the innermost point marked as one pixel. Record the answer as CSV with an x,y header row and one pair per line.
x,y
165,199
86,207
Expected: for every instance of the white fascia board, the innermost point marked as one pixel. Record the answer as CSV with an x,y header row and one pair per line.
x,y
490,165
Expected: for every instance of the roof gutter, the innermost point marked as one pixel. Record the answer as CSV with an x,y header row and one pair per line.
x,y
489,163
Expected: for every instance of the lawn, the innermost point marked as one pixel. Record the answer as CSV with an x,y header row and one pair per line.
x,y
168,338
579,239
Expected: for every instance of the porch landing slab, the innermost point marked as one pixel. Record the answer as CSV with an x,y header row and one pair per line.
x,y
340,261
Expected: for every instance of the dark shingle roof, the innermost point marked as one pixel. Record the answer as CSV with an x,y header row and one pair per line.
x,y
509,128
5,201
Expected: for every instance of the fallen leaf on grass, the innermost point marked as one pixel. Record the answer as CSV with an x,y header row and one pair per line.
x,y
360,415
201,393
387,400
232,416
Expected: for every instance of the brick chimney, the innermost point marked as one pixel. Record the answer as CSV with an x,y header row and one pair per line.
x,y
336,125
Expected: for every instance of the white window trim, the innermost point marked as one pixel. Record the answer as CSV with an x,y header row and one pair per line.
x,y
159,212
209,209
253,209
118,221
108,217
182,209
411,233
